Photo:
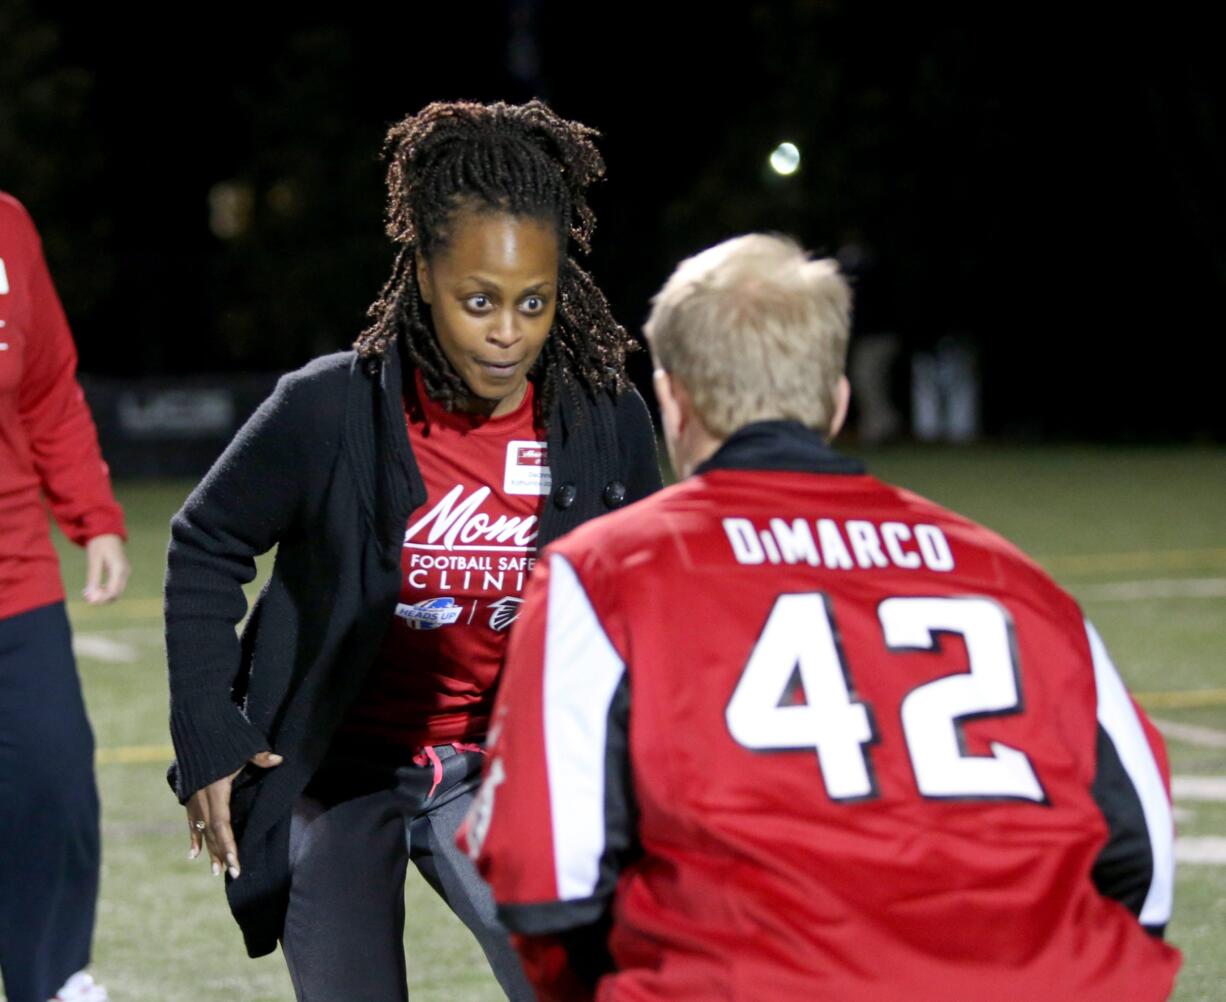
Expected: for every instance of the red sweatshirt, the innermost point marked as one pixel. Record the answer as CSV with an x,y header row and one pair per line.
x,y
48,444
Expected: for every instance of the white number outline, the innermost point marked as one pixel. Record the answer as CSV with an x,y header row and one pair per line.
x,y
746,727
973,675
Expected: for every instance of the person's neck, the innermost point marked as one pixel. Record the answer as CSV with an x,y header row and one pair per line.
x,y
482,407
477,406
699,446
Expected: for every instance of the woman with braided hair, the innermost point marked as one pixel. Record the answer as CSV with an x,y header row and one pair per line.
x,y
407,485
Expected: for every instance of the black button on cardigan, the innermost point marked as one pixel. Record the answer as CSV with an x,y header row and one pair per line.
x,y
614,493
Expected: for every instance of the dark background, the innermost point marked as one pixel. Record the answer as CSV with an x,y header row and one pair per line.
x,y
1045,182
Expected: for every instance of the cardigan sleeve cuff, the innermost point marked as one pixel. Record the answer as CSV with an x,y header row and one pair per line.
x,y
212,740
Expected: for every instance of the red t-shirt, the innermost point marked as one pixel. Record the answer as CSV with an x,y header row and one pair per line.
x,y
466,557
48,445
819,739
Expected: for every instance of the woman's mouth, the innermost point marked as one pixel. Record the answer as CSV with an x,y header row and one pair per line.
x,y
497,370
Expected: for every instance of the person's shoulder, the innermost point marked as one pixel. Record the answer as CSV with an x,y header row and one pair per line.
x,y
964,533
952,521
315,393
16,223
321,377
11,208
628,403
624,399
336,365
622,534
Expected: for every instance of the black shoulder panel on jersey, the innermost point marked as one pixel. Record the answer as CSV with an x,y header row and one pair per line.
x,y
1125,866
621,846
586,947
587,950
621,816
548,918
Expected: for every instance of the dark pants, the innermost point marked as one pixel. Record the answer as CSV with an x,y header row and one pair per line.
x,y
354,832
49,843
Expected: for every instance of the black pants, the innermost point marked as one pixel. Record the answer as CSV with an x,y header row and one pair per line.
x,y
49,843
354,831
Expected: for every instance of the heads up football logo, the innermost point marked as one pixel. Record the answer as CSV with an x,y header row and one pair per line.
x,y
429,614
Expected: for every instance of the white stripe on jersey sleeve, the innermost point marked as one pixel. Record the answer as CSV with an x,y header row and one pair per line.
x,y
1119,720
582,673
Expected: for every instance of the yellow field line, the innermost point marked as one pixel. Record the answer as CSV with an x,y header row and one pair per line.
x,y
1189,699
1186,700
1133,560
134,754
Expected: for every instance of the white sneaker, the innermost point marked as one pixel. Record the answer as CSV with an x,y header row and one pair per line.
x,y
80,988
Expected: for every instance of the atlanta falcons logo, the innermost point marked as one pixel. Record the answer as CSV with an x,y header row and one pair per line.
x,y
504,612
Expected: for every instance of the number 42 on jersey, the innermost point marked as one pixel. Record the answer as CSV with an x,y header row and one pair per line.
x,y
799,638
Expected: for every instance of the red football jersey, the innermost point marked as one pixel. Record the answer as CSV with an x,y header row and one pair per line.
x,y
466,558
815,737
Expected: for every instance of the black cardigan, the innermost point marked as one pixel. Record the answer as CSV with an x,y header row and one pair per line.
x,y
324,471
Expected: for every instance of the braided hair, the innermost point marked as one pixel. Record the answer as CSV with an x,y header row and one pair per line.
x,y
454,157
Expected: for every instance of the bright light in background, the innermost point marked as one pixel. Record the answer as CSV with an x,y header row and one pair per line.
x,y
230,208
785,159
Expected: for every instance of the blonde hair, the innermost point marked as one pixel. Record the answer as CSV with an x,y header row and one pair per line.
x,y
756,330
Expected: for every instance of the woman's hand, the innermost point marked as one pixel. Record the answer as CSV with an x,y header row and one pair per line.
x,y
107,569
208,817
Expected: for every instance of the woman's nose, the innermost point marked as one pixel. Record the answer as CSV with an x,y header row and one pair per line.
x,y
506,330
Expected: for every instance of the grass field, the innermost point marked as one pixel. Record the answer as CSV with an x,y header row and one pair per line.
x,y
1139,536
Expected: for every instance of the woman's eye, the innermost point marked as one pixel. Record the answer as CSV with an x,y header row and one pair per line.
x,y
534,304
480,302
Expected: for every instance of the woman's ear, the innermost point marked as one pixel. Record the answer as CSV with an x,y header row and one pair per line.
x,y
425,283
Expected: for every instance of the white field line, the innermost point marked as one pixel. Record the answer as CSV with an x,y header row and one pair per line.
x,y
128,608
122,631
1206,788
99,648
1191,734
1201,849
1155,588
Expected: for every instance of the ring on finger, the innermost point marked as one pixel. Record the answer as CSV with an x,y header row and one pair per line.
x,y
200,825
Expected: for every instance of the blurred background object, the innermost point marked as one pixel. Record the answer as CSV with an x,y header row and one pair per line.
x,y
1041,198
